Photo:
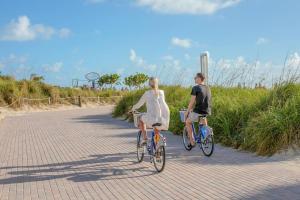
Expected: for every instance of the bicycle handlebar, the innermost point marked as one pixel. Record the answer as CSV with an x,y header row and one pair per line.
x,y
133,112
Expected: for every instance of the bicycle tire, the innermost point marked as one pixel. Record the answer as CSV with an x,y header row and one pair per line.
x,y
185,140
162,159
210,152
140,149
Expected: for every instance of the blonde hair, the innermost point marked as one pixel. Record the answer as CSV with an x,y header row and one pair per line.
x,y
153,83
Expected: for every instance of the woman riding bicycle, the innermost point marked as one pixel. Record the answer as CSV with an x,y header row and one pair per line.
x,y
157,109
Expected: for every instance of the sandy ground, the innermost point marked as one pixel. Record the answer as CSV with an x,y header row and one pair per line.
x,y
29,109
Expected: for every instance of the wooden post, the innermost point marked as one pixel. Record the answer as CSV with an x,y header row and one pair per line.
x,y
49,100
98,99
79,101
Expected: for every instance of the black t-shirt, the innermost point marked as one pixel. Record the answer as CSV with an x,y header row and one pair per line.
x,y
203,99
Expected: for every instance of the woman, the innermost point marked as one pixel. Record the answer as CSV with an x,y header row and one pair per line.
x,y
157,108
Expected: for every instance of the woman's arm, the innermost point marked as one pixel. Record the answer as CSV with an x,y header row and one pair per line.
x,y
140,103
162,95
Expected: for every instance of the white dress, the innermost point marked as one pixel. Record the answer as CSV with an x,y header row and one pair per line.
x,y
157,109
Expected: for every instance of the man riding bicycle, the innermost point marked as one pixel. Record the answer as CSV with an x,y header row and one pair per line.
x,y
200,105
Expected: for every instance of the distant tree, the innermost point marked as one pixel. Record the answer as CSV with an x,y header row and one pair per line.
x,y
139,79
102,80
109,79
128,81
136,80
35,77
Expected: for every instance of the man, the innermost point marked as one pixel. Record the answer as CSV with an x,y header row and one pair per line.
x,y
200,105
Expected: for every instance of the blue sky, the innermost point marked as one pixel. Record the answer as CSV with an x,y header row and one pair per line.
x,y
65,39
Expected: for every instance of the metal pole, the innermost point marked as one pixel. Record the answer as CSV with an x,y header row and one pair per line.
x,y
204,61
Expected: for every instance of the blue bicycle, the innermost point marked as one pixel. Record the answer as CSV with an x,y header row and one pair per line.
x,y
155,146
204,137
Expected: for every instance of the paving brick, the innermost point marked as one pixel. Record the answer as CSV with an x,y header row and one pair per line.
x,y
86,154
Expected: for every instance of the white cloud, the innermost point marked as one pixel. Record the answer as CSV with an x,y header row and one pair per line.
x,y
15,65
293,60
22,69
64,32
262,40
168,57
231,72
187,6
12,60
231,63
23,30
172,63
56,67
135,59
184,43
132,56
139,61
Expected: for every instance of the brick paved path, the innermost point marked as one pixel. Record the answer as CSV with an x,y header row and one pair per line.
x,y
86,154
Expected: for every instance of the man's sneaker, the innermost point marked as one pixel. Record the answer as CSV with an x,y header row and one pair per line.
x,y
191,146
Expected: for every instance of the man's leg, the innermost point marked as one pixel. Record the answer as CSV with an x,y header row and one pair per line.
x,y
204,121
189,128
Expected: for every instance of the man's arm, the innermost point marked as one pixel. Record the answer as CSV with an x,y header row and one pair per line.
x,y
193,99
192,103
209,100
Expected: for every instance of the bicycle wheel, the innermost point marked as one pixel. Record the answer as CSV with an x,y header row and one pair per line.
x,y
140,148
207,145
186,140
159,159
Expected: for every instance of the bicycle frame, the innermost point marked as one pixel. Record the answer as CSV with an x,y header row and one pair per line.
x,y
200,133
152,146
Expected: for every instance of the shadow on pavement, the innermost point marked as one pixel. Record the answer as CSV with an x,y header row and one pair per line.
x,y
97,167
105,119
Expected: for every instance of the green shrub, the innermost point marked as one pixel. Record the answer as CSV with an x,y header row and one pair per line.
x,y
12,90
278,127
259,120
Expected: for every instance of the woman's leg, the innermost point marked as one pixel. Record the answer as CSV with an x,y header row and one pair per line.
x,y
143,129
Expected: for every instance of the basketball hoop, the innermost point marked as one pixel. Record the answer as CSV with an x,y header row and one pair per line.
x,y
92,77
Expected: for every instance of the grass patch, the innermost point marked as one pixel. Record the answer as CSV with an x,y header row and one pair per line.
x,y
12,90
259,120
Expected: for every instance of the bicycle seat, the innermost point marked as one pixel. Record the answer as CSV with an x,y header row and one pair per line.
x,y
156,124
202,116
